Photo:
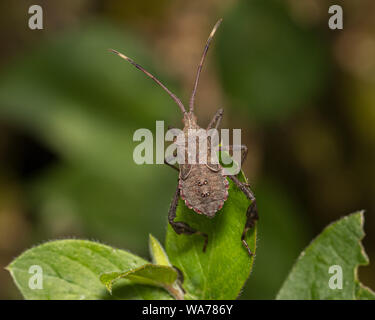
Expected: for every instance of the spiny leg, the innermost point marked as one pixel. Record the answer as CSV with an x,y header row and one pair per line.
x,y
167,160
252,211
214,124
181,227
241,147
216,120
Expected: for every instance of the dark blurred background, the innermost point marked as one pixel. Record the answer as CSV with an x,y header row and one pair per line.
x,y
304,96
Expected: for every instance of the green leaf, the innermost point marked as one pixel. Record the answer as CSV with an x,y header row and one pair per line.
x,y
158,254
71,270
338,245
222,270
364,293
148,274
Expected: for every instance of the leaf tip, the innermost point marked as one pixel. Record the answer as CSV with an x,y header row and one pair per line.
x,y
108,283
151,239
361,213
109,288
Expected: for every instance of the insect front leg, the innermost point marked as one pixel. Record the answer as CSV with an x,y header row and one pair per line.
x,y
232,148
181,227
216,120
167,160
251,213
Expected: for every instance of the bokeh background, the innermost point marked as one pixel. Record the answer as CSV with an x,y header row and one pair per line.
x,y
304,96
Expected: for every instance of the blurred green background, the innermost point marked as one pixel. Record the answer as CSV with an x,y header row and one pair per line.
x,y
304,96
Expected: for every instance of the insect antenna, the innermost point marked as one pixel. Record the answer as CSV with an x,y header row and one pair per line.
x,y
191,104
172,95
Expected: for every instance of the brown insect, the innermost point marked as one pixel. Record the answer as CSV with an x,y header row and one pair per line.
x,y
203,187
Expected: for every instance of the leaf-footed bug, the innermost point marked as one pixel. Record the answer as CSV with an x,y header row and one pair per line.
x,y
203,187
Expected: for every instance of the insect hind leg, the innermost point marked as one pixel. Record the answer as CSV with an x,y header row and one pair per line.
x,y
251,213
181,227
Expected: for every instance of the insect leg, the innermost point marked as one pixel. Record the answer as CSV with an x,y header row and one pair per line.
x,y
181,227
252,211
167,159
236,147
171,165
216,120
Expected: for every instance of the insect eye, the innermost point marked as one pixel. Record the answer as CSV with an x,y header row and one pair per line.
x,y
199,183
207,194
203,195
205,182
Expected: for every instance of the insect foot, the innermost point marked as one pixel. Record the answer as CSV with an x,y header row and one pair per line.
x,y
183,228
252,218
251,213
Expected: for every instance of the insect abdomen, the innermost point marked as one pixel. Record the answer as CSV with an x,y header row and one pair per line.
x,y
204,190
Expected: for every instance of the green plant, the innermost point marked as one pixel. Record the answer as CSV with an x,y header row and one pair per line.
x,y
338,245
81,269
55,94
